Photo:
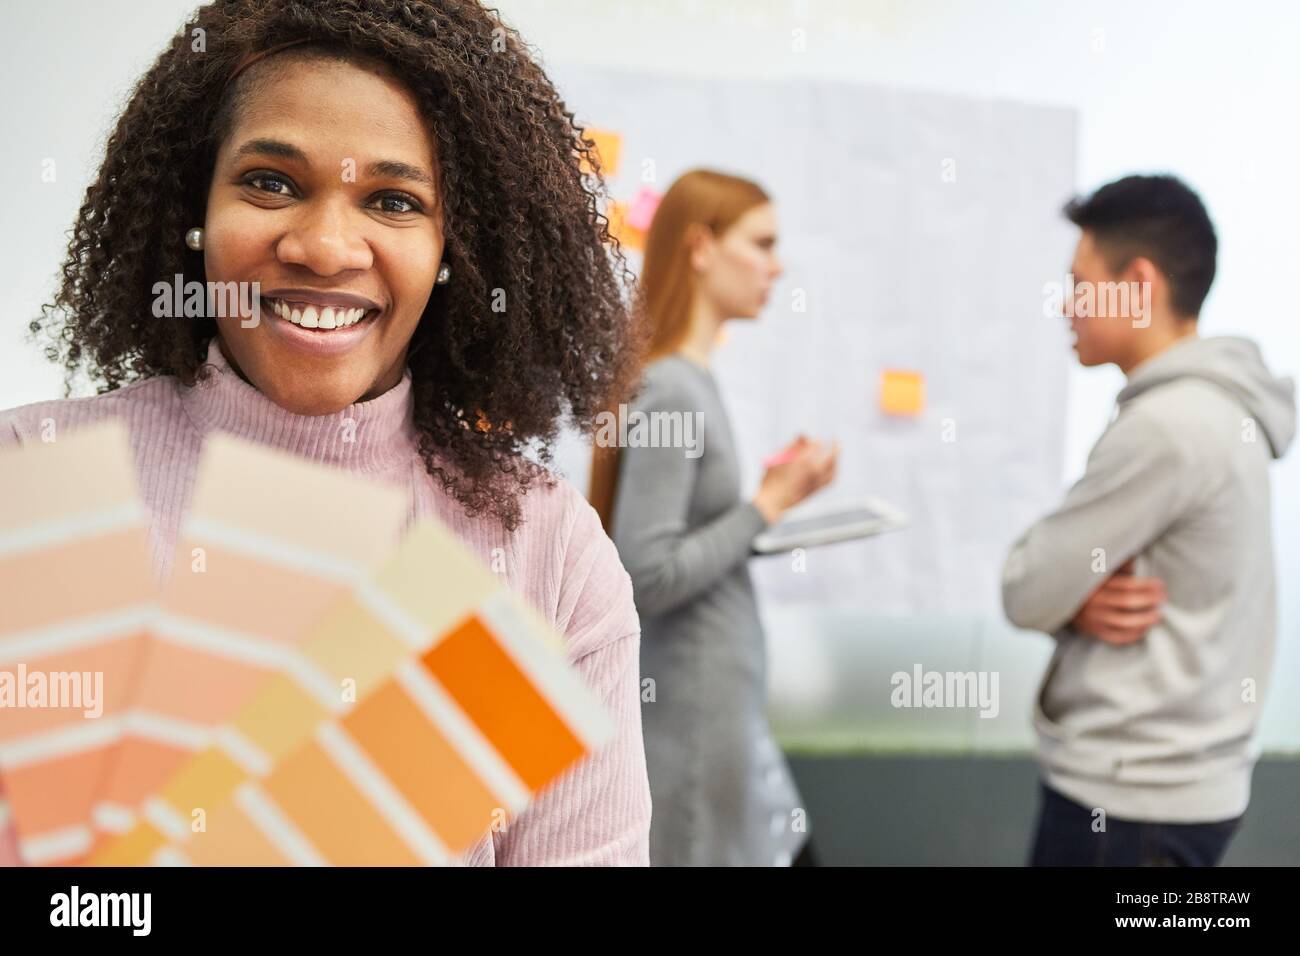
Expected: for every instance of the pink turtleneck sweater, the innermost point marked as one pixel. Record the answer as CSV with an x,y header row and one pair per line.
x,y
559,559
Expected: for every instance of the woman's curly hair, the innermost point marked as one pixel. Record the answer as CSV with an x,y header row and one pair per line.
x,y
520,193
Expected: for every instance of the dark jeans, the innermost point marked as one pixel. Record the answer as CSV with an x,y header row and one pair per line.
x,y
1065,837
807,856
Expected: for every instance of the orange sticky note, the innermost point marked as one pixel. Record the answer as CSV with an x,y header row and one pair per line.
x,y
609,148
902,392
622,230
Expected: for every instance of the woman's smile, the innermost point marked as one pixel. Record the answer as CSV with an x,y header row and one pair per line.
x,y
322,325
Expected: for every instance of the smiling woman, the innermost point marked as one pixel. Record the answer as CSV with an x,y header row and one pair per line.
x,y
326,172
349,148
387,174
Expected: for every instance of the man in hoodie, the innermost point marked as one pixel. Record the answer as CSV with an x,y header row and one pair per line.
x,y
1155,576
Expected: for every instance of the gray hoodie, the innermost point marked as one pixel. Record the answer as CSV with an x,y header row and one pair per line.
x,y
1161,729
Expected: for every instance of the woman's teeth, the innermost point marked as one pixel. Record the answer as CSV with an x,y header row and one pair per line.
x,y
311,317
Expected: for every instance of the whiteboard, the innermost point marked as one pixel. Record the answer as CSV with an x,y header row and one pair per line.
x,y
918,231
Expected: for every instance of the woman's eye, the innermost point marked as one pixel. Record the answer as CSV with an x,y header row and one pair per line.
x,y
398,203
394,203
270,184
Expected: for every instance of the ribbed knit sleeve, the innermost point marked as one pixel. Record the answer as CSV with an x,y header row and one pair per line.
x,y
598,814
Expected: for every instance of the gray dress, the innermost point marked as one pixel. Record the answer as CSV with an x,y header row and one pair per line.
x,y
722,793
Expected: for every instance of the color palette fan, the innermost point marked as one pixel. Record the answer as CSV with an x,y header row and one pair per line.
x,y
300,692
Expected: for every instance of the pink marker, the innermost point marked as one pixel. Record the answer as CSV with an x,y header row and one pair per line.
x,y
780,458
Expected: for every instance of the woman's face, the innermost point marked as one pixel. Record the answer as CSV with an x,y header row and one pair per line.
x,y
736,270
324,193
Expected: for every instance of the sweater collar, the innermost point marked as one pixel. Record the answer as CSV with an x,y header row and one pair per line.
x,y
366,436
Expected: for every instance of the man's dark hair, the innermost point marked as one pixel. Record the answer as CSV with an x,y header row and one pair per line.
x,y
1157,217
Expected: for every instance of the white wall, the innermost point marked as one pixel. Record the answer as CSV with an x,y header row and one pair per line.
x,y
1203,89
1191,88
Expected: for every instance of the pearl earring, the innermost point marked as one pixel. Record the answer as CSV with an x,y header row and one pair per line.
x,y
194,239
444,274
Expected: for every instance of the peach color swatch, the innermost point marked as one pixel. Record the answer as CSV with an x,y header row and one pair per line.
x,y
78,598
256,566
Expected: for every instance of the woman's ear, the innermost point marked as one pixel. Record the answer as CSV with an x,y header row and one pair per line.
x,y
699,240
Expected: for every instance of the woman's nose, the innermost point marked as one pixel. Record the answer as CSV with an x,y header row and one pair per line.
x,y
326,239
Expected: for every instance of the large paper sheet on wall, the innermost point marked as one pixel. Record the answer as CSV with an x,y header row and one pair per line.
x,y
919,234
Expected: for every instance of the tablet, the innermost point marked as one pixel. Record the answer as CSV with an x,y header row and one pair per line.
x,y
843,522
